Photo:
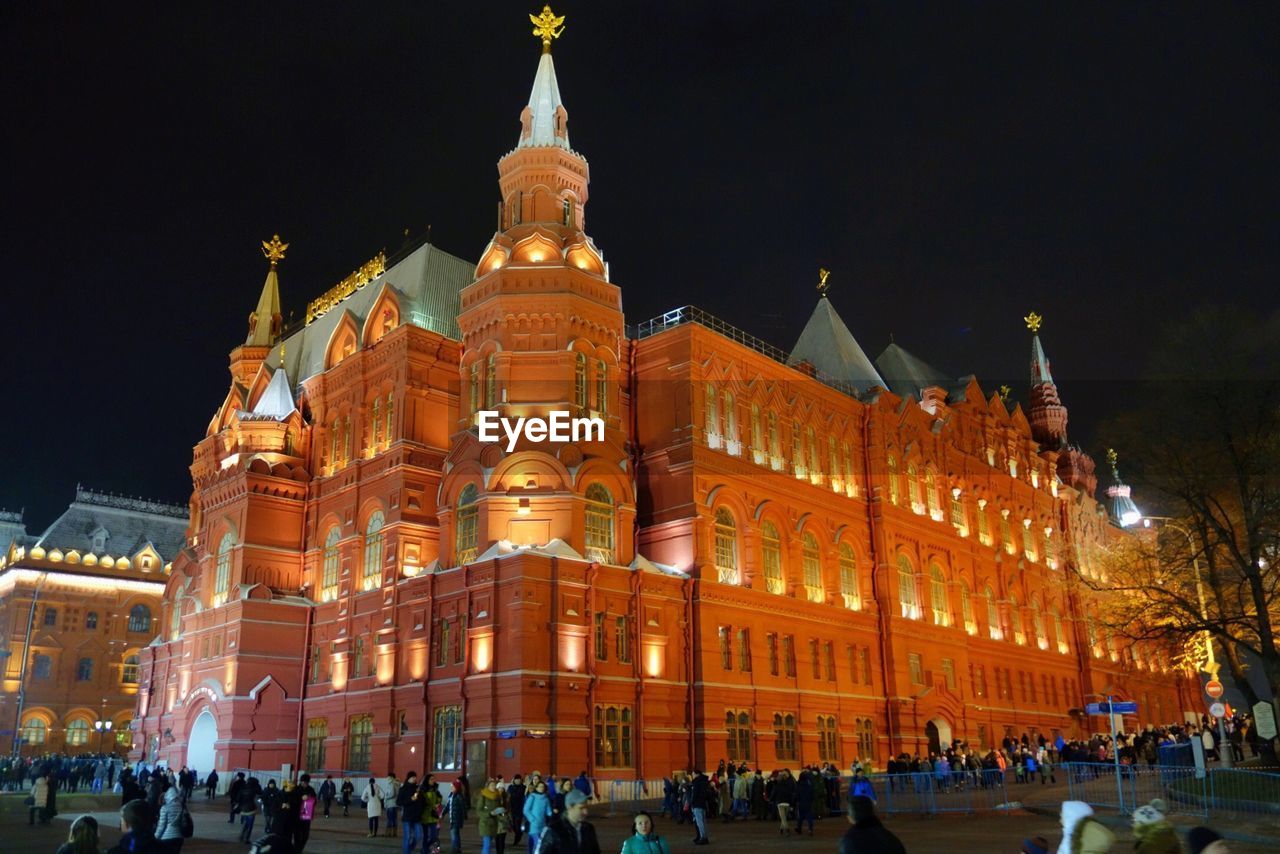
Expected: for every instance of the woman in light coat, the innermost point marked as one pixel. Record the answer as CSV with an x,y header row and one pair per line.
x,y
39,801
372,795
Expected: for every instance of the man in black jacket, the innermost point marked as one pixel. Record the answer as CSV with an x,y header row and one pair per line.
x,y
700,795
409,800
868,835
515,806
570,832
233,795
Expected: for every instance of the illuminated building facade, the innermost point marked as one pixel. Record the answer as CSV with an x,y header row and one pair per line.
x,y
775,557
77,606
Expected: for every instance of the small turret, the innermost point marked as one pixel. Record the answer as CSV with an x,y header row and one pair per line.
x,y
1120,502
1047,415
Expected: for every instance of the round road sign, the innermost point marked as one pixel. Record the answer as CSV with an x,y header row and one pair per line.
x,y
1218,710
1213,688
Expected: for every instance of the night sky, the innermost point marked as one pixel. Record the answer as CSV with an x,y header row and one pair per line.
x,y
955,165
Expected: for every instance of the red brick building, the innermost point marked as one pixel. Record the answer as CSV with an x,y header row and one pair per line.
x,y
780,557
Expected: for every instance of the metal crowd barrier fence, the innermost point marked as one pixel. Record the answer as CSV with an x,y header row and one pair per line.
x,y
1185,789
634,794
927,793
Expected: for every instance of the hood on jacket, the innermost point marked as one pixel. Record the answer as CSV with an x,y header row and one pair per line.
x,y
171,795
1073,812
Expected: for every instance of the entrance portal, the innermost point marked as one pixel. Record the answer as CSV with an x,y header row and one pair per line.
x,y
200,753
938,732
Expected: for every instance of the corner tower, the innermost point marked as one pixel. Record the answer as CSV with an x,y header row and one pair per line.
x,y
542,331
1048,417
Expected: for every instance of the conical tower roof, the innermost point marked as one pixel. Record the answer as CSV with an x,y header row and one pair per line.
x,y
544,101
277,400
1040,374
907,374
264,323
828,345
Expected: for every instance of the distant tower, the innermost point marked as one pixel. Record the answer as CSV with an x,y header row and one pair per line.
x,y
1119,500
1048,417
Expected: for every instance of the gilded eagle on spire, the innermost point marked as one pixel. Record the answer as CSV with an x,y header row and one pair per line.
x,y
547,26
823,275
1033,322
273,250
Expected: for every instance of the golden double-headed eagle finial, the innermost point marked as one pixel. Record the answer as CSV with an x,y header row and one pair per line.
x,y
1005,391
1033,321
823,275
547,26
273,250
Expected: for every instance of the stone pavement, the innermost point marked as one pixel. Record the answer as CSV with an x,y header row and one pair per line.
x,y
952,834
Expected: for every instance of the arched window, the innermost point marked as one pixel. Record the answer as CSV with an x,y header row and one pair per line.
x,y
730,422
466,533
580,380
357,658
34,731
828,750
1037,625
390,416
849,579
738,729
797,450
907,589
78,733
330,566
726,547
358,743
373,551
993,615
913,488
377,421
771,558
139,618
812,564
91,620
815,459
984,526
712,417
222,576
473,386
491,381
175,620
833,465
602,386
757,434
599,527
1063,646
84,670
1015,621
895,494
784,735
775,443
938,596
129,675
966,609
931,494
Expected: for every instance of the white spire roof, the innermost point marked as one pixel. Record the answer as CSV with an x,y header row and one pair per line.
x,y
277,401
1039,364
543,102
268,309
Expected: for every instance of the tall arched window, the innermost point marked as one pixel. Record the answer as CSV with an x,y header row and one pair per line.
x,y
775,442
175,620
390,416
358,743
580,380
757,434
330,566
993,615
938,596
78,733
907,588
895,494
771,558
966,609
129,675
139,618
465,535
812,563
602,386
372,576
797,450
473,386
730,418
726,547
377,421
1058,633
491,381
815,459
1015,621
222,577
1037,625
849,579
357,658
599,527
913,488
931,494
712,417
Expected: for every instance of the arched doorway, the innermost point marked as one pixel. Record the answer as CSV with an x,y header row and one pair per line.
x,y
938,732
204,732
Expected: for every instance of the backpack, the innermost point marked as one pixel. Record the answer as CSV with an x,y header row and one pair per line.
x,y
186,826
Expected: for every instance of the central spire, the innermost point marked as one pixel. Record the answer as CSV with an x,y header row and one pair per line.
x,y
545,122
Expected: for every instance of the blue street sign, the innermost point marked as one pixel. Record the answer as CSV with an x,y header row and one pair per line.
x,y
1119,708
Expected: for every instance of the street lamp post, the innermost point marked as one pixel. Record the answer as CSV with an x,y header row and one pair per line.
x,y
1211,666
104,729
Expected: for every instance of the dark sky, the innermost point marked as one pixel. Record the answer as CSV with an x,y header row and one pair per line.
x,y
955,164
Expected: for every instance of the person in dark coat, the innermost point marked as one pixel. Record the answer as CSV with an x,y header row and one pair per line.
x,y
137,821
302,809
804,802
211,785
271,797
700,796
410,802
867,835
570,832
328,791
233,795
515,806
